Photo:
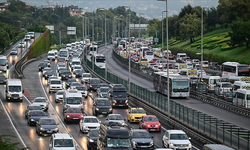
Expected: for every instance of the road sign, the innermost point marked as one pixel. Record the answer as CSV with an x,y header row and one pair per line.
x,y
71,30
51,28
156,40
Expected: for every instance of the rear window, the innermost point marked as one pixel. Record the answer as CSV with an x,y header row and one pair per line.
x,y
226,85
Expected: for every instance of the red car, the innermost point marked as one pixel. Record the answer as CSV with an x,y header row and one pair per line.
x,y
150,123
73,114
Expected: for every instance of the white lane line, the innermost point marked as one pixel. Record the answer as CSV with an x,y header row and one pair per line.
x,y
6,112
51,106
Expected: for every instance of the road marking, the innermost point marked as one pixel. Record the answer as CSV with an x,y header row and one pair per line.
x,y
6,112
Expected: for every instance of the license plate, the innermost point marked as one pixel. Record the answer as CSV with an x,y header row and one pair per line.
x,y
49,131
152,129
15,97
75,118
104,112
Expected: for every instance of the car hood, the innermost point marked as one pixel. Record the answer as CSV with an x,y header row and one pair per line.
x,y
120,121
152,122
142,140
180,141
64,148
49,126
37,117
138,115
40,103
92,124
98,106
74,114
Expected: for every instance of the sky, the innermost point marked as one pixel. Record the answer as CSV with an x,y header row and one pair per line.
x,y
150,8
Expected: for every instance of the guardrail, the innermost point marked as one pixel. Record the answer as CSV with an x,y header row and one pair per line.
x,y
202,127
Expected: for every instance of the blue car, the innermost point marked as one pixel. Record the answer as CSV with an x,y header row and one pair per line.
x,y
34,116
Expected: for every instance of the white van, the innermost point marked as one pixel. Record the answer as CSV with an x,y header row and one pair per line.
x,y
68,46
14,90
181,57
72,98
62,141
242,98
211,82
93,49
51,55
240,85
4,65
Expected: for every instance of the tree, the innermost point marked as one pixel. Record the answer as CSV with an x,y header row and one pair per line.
x,y
212,17
17,6
190,27
240,34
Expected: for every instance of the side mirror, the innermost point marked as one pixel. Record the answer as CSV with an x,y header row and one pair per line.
x,y
128,111
88,135
152,137
189,138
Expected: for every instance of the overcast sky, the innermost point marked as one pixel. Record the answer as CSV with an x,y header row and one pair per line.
x,y
150,8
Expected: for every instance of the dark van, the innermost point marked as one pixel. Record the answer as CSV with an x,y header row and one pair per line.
x,y
118,95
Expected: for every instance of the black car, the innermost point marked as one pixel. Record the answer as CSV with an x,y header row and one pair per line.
x,y
32,107
102,106
141,139
46,126
78,73
42,65
92,139
2,79
61,70
48,74
214,66
93,84
69,81
65,75
34,116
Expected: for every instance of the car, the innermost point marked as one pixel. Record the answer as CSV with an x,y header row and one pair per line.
x,y
83,90
51,55
205,64
69,81
116,118
176,139
195,61
42,101
34,116
47,61
48,74
55,85
73,114
102,106
32,107
50,78
78,73
76,67
61,59
46,126
41,66
2,79
46,69
60,70
89,122
65,75
86,77
13,52
93,84
141,139
102,92
62,141
60,65
21,45
73,85
135,114
32,35
92,139
150,123
214,65
59,96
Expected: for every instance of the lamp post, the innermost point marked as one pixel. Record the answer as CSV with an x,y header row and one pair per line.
x,y
105,26
168,97
93,22
140,24
129,68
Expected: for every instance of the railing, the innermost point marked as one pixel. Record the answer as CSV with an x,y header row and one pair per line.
x,y
202,127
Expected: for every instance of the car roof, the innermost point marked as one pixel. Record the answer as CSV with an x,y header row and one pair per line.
x,y
149,116
139,130
90,117
176,131
61,136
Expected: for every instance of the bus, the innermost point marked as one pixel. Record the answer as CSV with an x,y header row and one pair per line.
x,y
63,53
178,86
149,55
235,69
93,49
99,60
4,65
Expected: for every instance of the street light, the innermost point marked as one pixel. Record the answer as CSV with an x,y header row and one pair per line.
x,y
129,68
168,97
140,24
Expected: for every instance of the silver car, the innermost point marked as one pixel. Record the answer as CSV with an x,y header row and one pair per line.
x,y
42,101
89,122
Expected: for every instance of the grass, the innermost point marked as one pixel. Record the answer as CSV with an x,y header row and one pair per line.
x,y
216,43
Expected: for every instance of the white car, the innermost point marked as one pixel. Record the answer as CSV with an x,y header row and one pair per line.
x,y
42,101
83,90
55,85
21,44
52,77
46,69
51,56
89,122
86,77
176,139
13,52
116,118
59,96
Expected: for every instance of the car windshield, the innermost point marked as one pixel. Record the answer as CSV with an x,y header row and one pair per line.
x,y
226,85
39,100
51,54
37,113
120,94
77,67
61,59
104,89
141,135
115,117
71,80
60,92
95,81
138,111
93,133
15,88
74,110
34,108
178,137
150,119
48,122
63,143
55,82
75,83
103,103
86,75
66,73
74,100
81,88
115,142
90,120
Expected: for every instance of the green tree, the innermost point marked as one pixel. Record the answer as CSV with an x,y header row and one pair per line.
x,y
6,143
240,34
17,6
189,27
212,17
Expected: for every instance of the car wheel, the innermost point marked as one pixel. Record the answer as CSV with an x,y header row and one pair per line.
x,y
163,144
128,120
139,126
29,123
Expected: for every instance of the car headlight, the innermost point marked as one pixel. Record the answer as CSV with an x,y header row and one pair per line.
x,y
97,109
57,97
151,143
41,128
56,129
110,109
90,86
134,144
85,127
171,144
126,101
90,140
123,123
63,75
68,116
189,145
32,120
132,116
158,125
114,101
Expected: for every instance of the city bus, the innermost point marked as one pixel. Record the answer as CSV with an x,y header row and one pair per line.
x,y
234,69
99,60
93,49
178,86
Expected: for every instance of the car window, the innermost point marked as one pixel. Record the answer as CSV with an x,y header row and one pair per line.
x,y
48,122
178,137
141,135
150,119
39,100
90,120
